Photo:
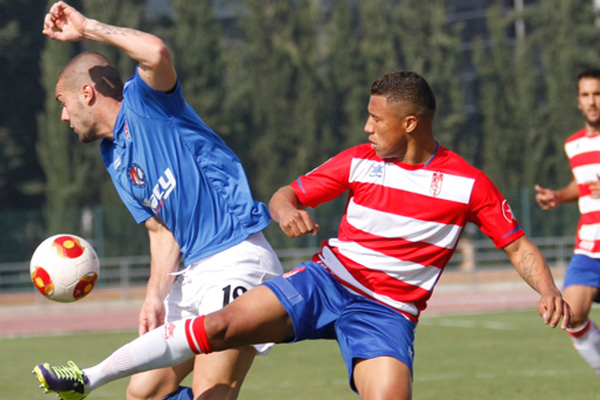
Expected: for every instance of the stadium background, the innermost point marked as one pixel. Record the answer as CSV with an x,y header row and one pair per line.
x,y
286,85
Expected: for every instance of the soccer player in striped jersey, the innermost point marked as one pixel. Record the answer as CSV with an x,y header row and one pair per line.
x,y
409,199
582,279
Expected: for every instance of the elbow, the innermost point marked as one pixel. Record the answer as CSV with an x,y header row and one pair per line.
x,y
158,55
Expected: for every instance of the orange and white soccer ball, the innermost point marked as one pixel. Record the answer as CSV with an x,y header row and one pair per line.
x,y
64,268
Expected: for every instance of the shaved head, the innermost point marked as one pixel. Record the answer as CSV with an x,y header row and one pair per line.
x,y
92,69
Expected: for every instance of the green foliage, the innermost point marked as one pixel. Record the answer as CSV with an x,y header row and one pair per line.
x,y
286,83
20,177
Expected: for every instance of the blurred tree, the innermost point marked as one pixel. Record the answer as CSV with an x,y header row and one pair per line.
x,y
63,160
506,76
20,174
346,84
378,52
429,45
198,53
279,64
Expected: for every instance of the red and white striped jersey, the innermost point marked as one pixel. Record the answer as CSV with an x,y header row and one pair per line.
x,y
402,222
583,151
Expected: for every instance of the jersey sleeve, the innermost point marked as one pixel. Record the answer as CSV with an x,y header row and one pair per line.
x,y
147,101
325,182
490,211
137,210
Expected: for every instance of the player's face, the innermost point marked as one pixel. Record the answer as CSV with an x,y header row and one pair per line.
x,y
385,127
588,100
77,114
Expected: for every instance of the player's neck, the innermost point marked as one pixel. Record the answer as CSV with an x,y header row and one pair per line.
x,y
592,130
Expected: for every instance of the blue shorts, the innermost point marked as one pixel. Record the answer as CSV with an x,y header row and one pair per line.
x,y
583,270
321,308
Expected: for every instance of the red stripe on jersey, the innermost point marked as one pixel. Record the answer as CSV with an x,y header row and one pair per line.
x,y
418,252
576,135
417,206
587,245
590,157
410,317
590,218
382,283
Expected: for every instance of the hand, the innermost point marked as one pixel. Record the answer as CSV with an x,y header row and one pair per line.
x,y
546,198
152,315
64,23
594,188
296,223
552,308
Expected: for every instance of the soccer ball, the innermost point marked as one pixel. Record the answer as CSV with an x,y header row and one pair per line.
x,y
64,268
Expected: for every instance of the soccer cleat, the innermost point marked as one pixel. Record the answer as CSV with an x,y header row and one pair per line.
x,y
67,381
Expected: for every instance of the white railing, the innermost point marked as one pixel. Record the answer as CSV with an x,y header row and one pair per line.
x,y
126,273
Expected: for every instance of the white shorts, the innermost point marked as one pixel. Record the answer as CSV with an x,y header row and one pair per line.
x,y
213,282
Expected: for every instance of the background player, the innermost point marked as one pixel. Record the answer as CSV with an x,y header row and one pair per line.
x,y
582,279
409,199
176,176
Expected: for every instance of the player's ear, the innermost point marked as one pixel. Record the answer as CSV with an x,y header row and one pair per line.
x,y
410,123
88,94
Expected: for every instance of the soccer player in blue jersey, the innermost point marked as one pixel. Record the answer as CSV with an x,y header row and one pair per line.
x,y
177,177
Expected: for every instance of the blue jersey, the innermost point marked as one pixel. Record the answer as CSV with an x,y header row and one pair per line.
x,y
166,162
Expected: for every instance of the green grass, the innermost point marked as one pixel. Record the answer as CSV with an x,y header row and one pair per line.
x,y
510,355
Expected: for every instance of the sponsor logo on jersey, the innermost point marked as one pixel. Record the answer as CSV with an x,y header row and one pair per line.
x,y
586,245
507,212
293,272
376,171
126,132
136,176
161,191
436,183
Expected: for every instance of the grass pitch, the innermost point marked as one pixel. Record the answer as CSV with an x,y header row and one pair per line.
x,y
509,355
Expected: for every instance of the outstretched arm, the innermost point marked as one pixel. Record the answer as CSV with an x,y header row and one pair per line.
x,y
285,208
547,199
64,23
531,265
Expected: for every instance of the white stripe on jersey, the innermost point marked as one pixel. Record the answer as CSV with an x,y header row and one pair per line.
x,y
454,187
587,204
336,267
405,271
582,145
589,232
397,226
586,173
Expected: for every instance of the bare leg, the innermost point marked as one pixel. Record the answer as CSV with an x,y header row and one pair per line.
x,y
383,378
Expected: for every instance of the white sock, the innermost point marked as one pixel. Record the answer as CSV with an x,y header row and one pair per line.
x,y
162,347
586,340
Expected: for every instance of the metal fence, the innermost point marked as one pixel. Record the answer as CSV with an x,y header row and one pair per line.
x,y
128,273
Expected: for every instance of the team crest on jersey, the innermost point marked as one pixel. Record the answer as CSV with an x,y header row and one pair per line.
x,y
436,184
507,212
126,132
136,175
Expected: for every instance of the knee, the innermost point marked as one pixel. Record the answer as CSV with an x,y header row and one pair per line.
x,y
218,329
137,392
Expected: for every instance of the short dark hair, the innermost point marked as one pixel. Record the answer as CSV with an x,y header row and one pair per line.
x,y
406,86
93,68
589,73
